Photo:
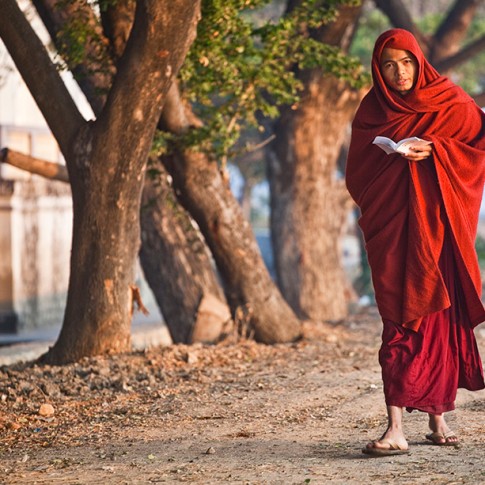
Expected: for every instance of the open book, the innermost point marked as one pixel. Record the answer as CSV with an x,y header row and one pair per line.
x,y
403,146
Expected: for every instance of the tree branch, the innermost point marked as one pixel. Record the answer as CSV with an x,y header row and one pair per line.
x,y
461,56
452,30
50,170
141,71
341,31
40,75
94,75
399,16
117,21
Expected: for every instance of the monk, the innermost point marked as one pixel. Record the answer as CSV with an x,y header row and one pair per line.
x,y
419,216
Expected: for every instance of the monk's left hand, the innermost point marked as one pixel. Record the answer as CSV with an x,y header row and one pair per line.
x,y
417,154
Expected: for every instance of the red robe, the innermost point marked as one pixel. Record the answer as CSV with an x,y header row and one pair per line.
x,y
414,212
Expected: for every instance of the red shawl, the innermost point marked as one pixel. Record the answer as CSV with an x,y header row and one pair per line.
x,y
407,206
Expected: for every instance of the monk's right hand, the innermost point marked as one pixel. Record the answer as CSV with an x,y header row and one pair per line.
x,y
418,154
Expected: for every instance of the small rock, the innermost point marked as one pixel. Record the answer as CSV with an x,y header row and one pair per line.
x,y
46,410
25,387
210,451
50,389
191,358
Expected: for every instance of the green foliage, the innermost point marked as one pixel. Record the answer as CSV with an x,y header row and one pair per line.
x,y
79,31
241,68
480,248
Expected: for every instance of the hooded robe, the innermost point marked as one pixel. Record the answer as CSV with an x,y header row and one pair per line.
x,y
419,221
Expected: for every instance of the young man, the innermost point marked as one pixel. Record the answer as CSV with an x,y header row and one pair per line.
x,y
419,219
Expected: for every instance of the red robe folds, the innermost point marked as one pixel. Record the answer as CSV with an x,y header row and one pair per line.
x,y
414,212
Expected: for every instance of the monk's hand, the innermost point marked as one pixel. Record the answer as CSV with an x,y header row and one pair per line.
x,y
417,154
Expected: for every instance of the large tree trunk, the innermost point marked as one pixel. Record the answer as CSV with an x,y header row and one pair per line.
x,y
183,282
104,247
173,255
178,268
308,202
107,181
255,302
105,160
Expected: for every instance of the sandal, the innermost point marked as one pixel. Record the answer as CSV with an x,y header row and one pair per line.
x,y
443,439
394,449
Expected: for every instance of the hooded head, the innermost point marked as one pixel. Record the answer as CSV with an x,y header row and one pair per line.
x,y
429,90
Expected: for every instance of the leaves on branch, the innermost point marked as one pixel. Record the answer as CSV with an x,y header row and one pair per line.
x,y
241,68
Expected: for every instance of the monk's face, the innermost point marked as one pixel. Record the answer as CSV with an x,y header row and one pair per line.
x,y
399,69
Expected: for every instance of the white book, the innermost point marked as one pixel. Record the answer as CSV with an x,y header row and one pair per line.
x,y
404,146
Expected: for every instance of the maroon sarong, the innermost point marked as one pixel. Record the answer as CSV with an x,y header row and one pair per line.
x,y
422,370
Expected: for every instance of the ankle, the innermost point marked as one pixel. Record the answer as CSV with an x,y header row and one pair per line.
x,y
436,419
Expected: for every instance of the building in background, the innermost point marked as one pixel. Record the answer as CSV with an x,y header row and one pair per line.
x,y
35,214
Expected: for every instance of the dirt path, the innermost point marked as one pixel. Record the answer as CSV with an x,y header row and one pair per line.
x,y
235,413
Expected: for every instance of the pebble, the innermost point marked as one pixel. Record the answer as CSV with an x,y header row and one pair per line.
x,y
46,410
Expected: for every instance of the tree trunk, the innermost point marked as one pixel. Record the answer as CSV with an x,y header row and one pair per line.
x,y
106,162
104,246
256,304
308,203
178,268
181,291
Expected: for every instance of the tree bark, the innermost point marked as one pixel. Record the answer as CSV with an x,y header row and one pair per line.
x,y
463,55
400,17
256,304
108,182
178,268
308,203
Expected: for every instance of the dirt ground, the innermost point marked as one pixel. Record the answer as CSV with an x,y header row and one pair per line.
x,y
239,413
